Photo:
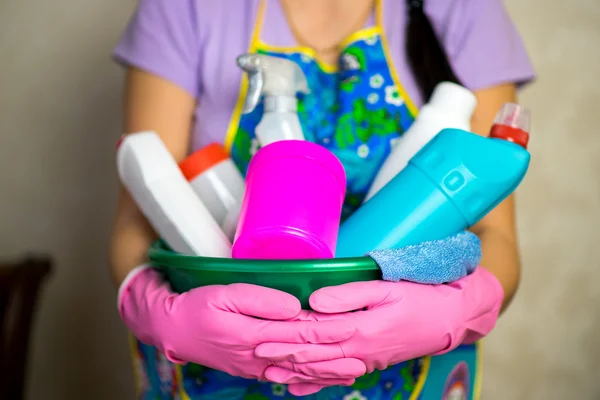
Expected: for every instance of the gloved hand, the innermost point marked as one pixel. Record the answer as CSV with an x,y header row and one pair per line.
x,y
397,321
220,326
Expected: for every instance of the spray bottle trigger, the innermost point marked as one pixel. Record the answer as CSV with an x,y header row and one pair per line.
x,y
256,82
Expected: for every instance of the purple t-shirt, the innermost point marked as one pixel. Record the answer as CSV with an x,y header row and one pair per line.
x,y
194,43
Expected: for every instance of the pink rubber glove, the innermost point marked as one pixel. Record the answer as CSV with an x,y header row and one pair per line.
x,y
397,321
219,327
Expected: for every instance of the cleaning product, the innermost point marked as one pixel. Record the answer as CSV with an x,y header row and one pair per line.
x,y
154,180
279,80
448,186
293,203
218,183
450,106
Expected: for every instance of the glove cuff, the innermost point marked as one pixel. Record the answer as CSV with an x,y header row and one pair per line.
x,y
141,303
134,273
483,323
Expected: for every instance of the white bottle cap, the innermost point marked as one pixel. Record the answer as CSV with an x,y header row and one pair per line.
x,y
454,98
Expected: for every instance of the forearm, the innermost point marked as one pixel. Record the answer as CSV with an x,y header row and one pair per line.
x,y
130,239
500,256
151,103
497,230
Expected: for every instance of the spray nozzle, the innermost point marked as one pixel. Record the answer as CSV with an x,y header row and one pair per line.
x,y
270,76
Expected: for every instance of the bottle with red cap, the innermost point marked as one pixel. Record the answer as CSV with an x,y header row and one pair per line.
x,y
218,183
447,187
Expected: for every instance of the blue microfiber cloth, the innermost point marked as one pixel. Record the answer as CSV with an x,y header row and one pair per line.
x,y
434,262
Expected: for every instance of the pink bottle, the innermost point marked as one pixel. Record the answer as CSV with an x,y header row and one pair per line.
x,y
293,203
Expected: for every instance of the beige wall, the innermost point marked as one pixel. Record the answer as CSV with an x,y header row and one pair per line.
x,y
59,113
552,330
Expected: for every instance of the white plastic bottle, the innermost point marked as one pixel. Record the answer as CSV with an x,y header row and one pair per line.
x,y
218,183
165,197
450,106
279,80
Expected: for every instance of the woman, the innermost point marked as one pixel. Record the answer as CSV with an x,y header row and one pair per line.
x,y
369,63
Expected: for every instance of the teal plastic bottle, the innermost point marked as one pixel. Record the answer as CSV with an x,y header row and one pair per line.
x,y
448,186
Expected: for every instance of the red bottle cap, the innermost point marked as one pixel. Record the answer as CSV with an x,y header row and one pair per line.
x,y
510,134
202,160
512,124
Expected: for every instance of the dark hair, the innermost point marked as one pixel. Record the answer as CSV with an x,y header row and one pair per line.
x,y
426,56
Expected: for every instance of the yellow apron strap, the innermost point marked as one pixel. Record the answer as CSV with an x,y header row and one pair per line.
x,y
478,371
390,62
422,379
133,351
179,380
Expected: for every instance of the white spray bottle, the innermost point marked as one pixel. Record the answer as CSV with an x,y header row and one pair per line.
x,y
278,80
450,106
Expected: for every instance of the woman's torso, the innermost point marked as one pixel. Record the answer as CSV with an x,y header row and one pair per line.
x,y
358,107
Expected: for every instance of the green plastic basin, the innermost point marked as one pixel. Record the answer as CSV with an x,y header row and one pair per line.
x,y
297,277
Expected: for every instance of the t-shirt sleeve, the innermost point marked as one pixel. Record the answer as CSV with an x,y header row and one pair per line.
x,y
484,46
162,38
